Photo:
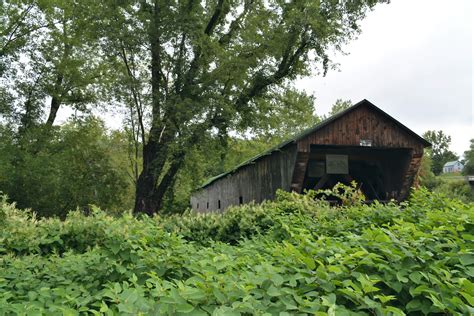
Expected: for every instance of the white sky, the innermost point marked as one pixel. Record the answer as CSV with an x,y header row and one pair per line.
x,y
414,60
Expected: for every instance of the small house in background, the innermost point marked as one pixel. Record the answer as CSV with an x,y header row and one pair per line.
x,y
452,166
361,143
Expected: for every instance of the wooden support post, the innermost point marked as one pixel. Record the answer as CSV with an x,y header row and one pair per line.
x,y
299,172
410,176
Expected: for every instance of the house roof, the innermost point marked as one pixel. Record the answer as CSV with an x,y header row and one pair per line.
x,y
311,130
451,163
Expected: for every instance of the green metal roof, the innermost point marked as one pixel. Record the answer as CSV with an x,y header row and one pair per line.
x,y
307,132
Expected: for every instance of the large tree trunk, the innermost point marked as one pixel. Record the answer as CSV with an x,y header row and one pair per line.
x,y
55,100
150,193
155,154
145,201
53,111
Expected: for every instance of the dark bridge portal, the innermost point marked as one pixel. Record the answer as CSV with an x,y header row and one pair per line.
x,y
378,171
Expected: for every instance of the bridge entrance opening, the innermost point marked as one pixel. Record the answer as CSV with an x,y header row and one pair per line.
x,y
377,171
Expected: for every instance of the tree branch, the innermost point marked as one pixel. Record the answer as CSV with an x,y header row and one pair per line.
x,y
169,176
261,82
235,25
15,25
216,16
135,93
179,63
156,64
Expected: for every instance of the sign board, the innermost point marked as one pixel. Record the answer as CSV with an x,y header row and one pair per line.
x,y
366,142
337,164
316,169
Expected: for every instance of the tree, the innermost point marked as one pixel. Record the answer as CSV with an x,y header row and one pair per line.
x,y
209,62
469,160
425,174
439,151
77,167
19,20
288,114
60,60
282,113
340,106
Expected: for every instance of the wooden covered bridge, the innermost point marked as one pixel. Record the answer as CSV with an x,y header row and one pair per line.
x,y
362,143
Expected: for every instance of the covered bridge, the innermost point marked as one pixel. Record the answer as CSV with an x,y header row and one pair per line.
x,y
362,143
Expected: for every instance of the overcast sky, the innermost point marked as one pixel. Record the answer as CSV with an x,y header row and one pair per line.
x,y
414,59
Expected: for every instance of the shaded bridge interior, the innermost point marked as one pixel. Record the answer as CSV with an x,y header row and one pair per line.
x,y
379,172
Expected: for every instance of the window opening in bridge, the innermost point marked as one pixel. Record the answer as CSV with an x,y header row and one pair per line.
x,y
207,205
219,204
241,200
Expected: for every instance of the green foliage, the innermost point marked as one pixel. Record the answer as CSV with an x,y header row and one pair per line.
x,y
347,195
283,113
61,60
439,151
458,189
451,185
339,106
426,176
296,255
72,167
469,160
18,20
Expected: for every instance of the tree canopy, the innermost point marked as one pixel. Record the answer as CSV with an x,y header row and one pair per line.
x,y
339,106
191,75
76,168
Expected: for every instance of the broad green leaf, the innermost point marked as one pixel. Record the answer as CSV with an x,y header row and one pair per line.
x,y
184,308
466,259
469,298
273,291
415,277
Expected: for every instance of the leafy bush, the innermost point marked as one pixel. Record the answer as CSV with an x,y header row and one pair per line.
x,y
63,168
458,189
296,255
449,184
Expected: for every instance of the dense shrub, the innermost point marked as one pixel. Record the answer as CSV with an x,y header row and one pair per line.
x,y
459,189
296,255
67,167
449,184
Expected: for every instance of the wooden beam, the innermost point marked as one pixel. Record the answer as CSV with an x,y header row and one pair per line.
x,y
299,172
410,175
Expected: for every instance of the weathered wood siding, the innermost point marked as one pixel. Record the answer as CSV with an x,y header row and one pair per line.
x,y
362,123
256,182
410,175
